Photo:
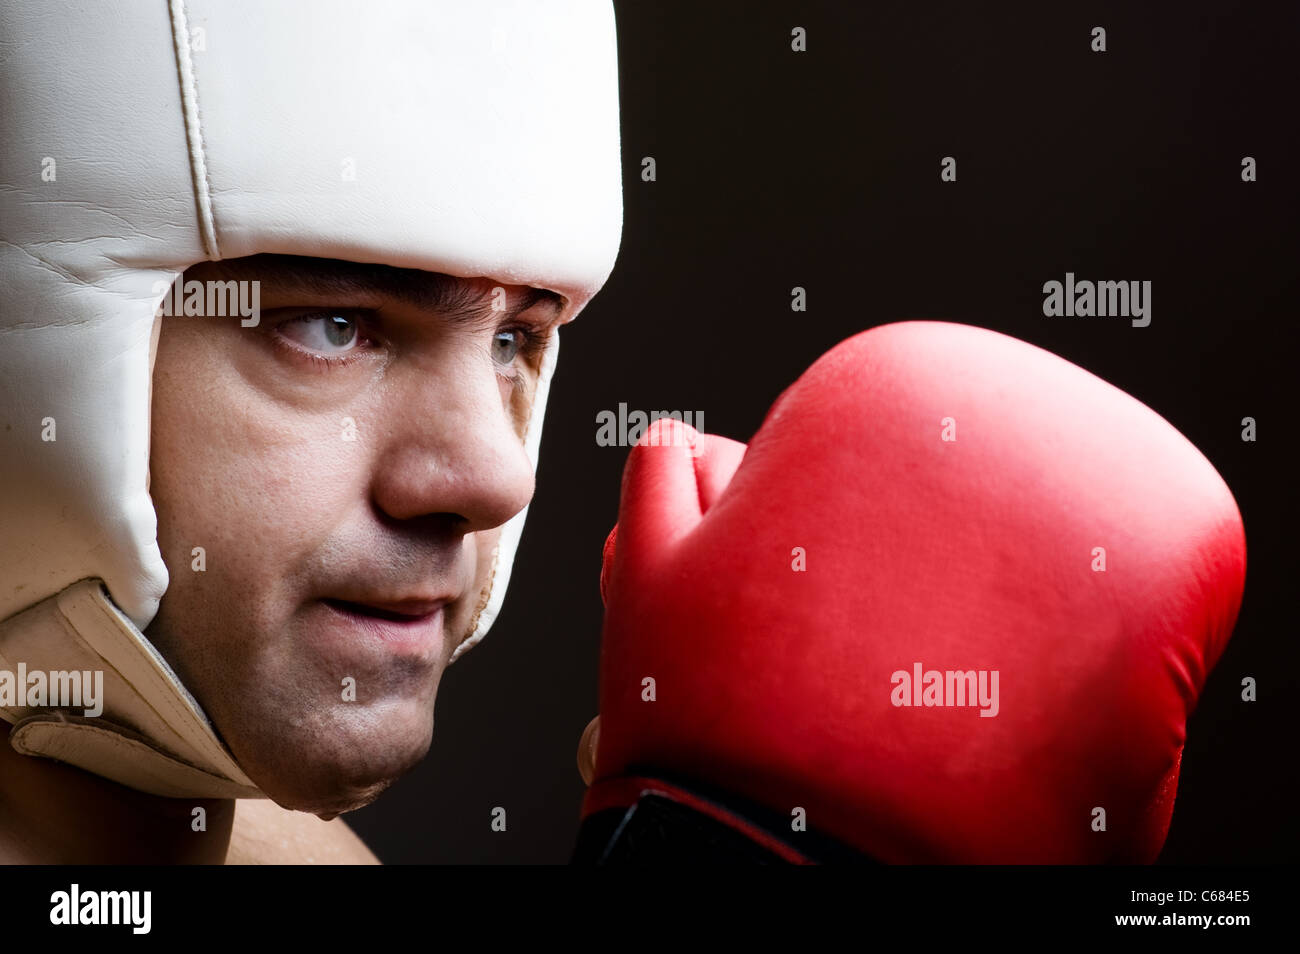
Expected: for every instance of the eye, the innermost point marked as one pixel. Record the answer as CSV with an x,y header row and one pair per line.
x,y
505,346
328,333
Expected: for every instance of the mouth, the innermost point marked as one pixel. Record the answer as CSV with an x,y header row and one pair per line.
x,y
408,611
406,625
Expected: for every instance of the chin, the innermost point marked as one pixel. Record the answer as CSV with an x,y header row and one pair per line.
x,y
338,768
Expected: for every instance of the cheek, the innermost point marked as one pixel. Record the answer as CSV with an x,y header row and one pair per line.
x,y
257,487
485,545
517,399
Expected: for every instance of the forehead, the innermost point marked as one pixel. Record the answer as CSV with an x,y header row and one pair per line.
x,y
290,277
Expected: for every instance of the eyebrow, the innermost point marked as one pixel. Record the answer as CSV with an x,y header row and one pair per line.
x,y
452,297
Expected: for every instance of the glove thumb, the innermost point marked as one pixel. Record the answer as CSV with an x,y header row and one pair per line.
x,y
673,476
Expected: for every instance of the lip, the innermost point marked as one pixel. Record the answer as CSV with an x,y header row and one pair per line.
x,y
400,624
402,611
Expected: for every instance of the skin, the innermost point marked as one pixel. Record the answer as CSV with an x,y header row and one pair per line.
x,y
312,542
587,750
56,814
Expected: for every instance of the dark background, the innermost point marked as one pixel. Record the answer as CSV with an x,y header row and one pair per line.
x,y
821,169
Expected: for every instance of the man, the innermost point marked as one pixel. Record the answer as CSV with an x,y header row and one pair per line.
x,y
354,502
379,222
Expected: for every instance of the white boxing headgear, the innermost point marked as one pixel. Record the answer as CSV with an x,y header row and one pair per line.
x,y
139,138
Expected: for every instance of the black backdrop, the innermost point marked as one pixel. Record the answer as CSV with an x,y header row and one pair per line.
x,y
821,169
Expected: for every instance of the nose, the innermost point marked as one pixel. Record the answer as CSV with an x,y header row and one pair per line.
x,y
451,449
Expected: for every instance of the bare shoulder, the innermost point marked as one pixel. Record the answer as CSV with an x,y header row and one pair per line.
x,y
266,834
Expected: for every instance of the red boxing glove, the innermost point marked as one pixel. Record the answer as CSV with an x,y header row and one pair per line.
x,y
955,605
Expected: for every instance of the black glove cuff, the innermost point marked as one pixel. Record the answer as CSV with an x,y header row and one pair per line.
x,y
649,819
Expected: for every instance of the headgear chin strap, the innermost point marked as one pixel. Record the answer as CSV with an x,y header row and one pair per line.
x,y
477,140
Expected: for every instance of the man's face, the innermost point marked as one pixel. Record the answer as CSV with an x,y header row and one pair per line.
x,y
345,466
